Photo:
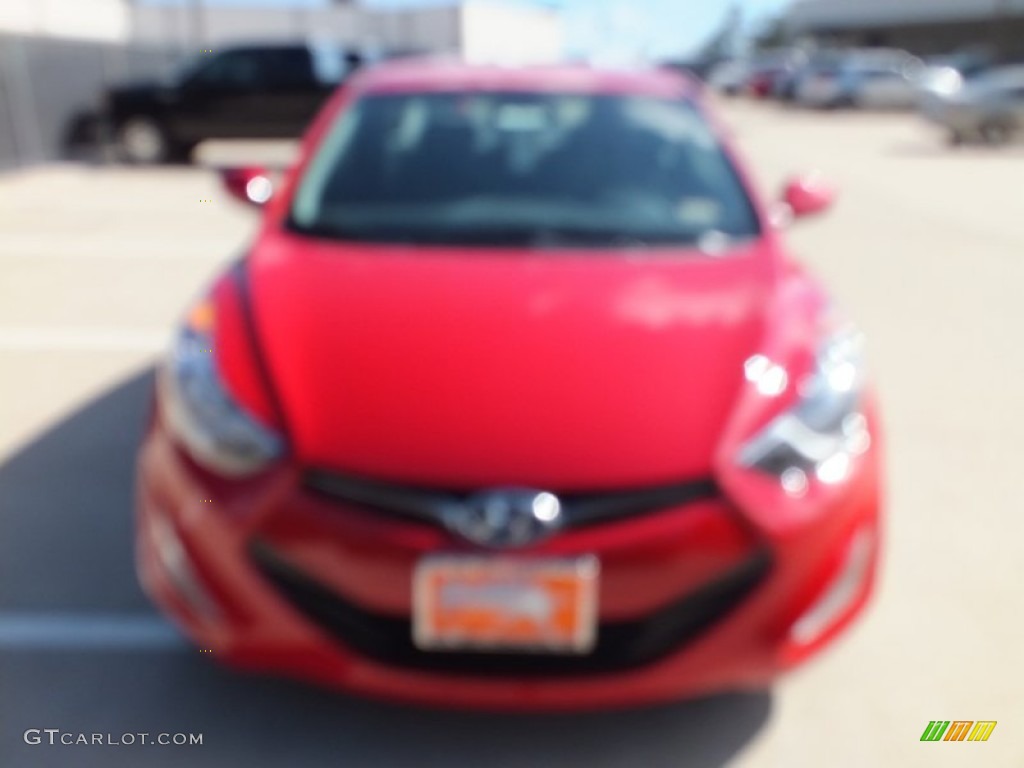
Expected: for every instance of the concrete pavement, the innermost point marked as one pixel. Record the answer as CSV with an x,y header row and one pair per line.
x,y
925,251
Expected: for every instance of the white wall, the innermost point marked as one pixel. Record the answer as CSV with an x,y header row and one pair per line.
x,y
483,30
501,33
216,25
431,28
104,20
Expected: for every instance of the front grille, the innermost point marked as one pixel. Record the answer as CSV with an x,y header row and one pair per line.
x,y
620,645
429,504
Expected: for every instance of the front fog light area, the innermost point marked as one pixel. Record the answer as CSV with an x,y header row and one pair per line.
x,y
177,565
819,437
201,412
841,592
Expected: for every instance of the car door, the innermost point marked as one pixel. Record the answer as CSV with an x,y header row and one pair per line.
x,y
221,99
1015,100
880,88
292,92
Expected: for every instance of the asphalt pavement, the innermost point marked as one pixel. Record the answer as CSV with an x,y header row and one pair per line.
x,y
925,250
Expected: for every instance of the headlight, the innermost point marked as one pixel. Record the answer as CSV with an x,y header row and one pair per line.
x,y
947,82
200,411
822,433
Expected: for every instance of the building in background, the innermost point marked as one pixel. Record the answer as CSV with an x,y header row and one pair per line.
x,y
57,56
475,29
923,27
98,20
510,32
193,25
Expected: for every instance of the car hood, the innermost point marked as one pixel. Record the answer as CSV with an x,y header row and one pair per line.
x,y
467,369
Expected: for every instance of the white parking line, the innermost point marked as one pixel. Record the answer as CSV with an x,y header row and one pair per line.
x,y
30,249
83,339
75,632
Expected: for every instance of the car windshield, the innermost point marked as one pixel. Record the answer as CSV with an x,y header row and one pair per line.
x,y
186,70
997,80
508,169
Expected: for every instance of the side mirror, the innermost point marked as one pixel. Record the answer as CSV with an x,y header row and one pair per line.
x,y
251,185
806,196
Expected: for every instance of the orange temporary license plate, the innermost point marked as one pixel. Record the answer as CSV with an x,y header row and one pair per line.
x,y
505,604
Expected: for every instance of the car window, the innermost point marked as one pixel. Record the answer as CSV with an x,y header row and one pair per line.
x,y
996,83
230,69
522,168
286,67
332,64
1001,77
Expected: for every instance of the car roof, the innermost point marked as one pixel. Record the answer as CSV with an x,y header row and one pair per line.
x,y
441,74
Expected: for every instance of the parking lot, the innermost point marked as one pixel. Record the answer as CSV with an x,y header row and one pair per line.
x,y
925,250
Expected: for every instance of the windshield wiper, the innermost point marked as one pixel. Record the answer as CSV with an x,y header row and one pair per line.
x,y
495,236
554,237
322,230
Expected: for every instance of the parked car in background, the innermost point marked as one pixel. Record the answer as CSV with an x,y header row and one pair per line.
x,y
944,75
803,66
769,67
730,77
987,108
255,91
782,85
871,79
761,83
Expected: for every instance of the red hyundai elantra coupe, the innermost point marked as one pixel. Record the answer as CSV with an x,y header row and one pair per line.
x,y
515,401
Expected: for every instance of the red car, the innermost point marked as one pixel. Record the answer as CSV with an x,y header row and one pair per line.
x,y
516,400
762,83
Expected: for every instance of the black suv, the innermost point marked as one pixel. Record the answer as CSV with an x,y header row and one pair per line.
x,y
264,91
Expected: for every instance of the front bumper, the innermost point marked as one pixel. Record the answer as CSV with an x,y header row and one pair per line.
x,y
692,600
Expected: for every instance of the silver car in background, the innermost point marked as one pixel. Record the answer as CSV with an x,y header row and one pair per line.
x,y
944,75
806,64
730,77
987,108
868,79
